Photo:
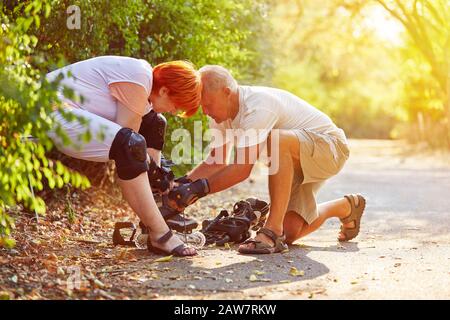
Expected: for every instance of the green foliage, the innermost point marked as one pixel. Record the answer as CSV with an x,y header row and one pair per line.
x,y
26,101
378,68
326,62
426,69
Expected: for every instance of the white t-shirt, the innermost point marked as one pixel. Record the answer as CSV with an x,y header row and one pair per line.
x,y
262,109
91,79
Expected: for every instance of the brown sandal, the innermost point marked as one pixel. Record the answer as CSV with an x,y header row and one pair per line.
x,y
355,216
265,248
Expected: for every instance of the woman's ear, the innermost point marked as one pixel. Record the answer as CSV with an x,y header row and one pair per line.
x,y
163,91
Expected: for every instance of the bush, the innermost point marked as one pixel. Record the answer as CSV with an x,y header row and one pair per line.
x,y
26,102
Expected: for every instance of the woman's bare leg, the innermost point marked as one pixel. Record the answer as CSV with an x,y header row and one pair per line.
x,y
139,195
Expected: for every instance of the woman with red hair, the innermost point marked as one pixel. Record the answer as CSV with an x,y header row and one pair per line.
x,y
118,100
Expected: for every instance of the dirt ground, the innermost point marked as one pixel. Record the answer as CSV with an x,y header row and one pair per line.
x,y
402,252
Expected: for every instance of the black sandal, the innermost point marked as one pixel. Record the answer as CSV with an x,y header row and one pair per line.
x,y
178,251
265,248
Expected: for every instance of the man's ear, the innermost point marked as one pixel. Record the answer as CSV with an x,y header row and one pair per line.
x,y
163,91
227,91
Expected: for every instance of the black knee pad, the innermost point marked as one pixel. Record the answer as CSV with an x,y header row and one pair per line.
x,y
153,128
129,151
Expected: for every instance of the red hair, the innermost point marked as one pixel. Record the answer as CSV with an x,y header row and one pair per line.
x,y
182,81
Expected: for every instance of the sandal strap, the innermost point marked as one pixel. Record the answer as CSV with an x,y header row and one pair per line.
x,y
178,250
352,216
251,240
278,242
268,233
165,237
272,235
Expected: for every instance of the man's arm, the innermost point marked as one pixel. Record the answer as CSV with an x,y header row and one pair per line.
x,y
237,172
228,176
216,161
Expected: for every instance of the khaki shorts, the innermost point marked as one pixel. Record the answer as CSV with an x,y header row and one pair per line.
x,y
322,155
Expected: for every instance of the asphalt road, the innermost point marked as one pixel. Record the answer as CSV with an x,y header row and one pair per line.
x,y
402,252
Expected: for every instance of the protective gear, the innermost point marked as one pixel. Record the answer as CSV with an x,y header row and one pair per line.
x,y
186,194
166,163
174,218
225,228
153,128
183,180
129,152
118,238
159,177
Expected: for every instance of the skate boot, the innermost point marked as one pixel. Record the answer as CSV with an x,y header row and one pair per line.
x,y
249,214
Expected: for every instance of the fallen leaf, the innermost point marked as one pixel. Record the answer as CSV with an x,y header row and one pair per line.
x,y
252,278
284,281
228,280
105,295
258,272
5,295
98,283
53,257
227,245
164,259
96,253
296,273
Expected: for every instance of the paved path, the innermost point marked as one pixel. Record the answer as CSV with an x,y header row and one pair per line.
x,y
402,252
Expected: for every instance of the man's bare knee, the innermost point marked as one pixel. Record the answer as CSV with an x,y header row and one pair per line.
x,y
293,225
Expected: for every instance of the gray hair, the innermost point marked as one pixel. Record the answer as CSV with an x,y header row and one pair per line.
x,y
215,77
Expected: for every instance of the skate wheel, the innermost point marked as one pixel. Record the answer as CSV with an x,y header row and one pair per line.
x,y
196,239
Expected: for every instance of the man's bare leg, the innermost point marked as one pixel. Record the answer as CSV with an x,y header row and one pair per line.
x,y
139,195
296,227
280,185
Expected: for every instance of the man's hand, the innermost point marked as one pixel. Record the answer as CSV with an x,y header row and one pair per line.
x,y
186,194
